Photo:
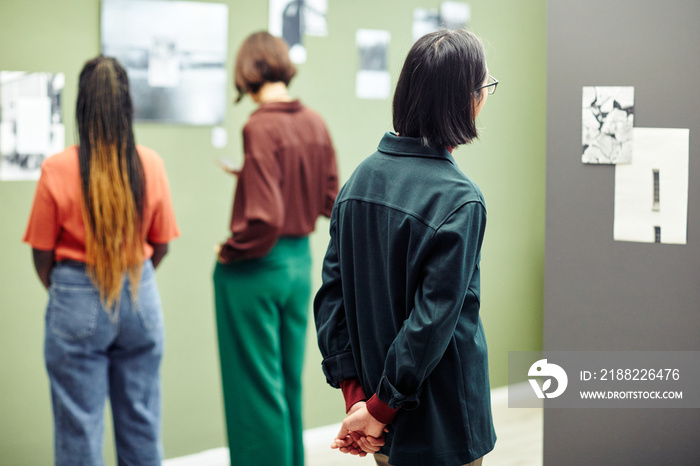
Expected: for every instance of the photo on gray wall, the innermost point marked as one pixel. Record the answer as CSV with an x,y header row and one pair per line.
x,y
651,193
31,124
608,119
175,55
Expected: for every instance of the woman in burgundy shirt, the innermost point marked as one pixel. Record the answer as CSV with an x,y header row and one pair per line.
x,y
262,279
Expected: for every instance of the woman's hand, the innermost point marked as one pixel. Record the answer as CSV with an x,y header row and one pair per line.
x,y
360,432
228,167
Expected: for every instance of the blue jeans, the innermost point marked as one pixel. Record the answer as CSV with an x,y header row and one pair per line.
x,y
91,355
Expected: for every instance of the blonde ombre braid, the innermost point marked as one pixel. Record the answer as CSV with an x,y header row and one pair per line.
x,y
112,180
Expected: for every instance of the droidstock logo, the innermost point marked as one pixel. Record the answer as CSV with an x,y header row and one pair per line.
x,y
544,369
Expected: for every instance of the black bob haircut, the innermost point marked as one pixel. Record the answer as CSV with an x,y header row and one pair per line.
x,y
436,94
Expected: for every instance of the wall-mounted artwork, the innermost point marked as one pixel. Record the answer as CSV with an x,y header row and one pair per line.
x,y
452,15
651,193
608,119
425,21
294,19
455,15
175,55
373,80
31,124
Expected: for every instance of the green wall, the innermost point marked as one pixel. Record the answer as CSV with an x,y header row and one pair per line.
x,y
508,162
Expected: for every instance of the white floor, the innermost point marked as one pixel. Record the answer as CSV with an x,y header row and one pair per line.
x,y
519,442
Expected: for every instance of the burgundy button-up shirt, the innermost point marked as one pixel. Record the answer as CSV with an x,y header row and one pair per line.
x,y
289,178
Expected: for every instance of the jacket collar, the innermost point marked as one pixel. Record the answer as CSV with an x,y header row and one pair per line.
x,y
394,144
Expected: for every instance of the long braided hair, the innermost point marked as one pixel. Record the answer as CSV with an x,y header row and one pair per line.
x,y
112,179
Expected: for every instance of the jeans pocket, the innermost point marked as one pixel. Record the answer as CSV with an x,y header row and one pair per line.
x,y
148,305
73,311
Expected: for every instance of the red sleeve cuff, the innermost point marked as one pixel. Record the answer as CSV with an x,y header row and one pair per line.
x,y
352,392
380,410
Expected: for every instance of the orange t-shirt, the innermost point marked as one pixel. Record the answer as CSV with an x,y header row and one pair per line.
x,y
56,220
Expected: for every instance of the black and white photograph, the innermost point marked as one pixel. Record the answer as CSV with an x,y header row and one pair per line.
x,y
294,19
31,123
455,15
452,15
651,193
425,20
607,122
373,80
175,55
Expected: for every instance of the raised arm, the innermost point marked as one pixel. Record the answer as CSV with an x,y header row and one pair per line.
x,y
258,209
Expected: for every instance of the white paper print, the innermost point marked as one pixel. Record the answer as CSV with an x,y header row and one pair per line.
x,y
455,15
372,80
31,124
452,15
425,21
175,55
219,137
294,19
608,118
651,193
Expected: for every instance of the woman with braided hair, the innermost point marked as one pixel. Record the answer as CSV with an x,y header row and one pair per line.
x,y
100,223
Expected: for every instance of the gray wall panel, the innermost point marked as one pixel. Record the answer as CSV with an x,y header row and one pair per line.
x,y
607,295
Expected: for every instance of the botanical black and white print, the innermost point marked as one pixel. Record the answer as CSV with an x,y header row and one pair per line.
x,y
608,119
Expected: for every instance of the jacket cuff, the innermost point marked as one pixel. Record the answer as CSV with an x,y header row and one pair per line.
x,y
380,410
352,392
338,367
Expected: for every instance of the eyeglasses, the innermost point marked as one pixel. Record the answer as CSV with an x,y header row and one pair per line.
x,y
490,85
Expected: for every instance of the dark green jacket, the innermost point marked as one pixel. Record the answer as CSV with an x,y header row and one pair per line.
x,y
399,304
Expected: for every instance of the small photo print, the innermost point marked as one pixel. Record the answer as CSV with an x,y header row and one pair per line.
x,y
452,15
292,20
455,15
373,80
608,119
425,21
31,124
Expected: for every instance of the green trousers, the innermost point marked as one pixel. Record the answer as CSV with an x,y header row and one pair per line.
x,y
262,308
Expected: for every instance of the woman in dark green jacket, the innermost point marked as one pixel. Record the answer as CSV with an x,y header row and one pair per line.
x,y
397,315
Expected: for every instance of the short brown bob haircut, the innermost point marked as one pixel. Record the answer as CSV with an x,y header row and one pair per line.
x,y
262,58
436,94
